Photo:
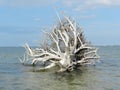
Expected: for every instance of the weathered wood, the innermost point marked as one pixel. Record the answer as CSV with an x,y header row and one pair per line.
x,y
66,48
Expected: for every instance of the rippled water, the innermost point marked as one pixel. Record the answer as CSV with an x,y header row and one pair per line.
x,y
104,76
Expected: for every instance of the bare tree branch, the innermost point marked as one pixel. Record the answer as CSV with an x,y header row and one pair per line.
x,y
66,48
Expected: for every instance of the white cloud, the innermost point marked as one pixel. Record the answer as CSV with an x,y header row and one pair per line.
x,y
23,3
80,5
87,16
37,19
98,2
74,4
71,2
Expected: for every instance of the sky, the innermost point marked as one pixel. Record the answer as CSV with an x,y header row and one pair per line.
x,y
23,21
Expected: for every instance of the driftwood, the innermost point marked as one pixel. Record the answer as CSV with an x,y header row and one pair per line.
x,y
66,47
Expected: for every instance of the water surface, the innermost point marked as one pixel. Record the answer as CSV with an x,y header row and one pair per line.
x,y
104,76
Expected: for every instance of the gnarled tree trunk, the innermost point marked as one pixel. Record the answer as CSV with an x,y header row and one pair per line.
x,y
66,48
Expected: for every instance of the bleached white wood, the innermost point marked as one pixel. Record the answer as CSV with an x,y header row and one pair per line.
x,y
67,48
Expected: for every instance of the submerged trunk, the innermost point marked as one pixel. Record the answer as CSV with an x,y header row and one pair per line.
x,y
66,47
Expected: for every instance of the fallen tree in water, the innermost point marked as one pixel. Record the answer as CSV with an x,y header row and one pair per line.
x,y
66,47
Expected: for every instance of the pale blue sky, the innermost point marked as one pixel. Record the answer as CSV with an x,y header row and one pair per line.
x,y
22,21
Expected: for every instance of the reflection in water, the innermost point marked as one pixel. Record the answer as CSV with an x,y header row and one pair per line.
x,y
87,78
74,80
47,80
78,80
103,76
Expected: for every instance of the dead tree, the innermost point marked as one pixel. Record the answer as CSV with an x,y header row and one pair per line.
x,y
66,48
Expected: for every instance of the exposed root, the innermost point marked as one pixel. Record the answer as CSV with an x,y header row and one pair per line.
x,y
66,48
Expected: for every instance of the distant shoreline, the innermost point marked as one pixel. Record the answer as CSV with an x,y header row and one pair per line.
x,y
38,46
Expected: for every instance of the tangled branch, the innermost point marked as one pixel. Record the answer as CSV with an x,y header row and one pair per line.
x,y
66,48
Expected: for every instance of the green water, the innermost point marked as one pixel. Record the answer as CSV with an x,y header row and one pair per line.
x,y
104,76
